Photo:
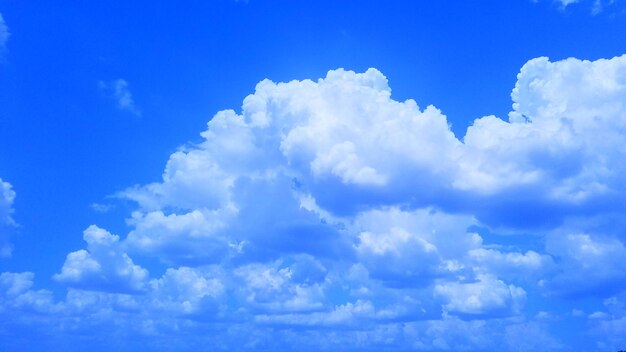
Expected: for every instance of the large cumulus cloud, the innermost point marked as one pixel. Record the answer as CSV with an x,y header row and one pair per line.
x,y
326,212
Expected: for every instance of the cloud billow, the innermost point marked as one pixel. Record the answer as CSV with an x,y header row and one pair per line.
x,y
326,208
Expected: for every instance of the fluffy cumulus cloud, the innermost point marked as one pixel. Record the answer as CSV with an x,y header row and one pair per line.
x,y
103,266
485,295
327,214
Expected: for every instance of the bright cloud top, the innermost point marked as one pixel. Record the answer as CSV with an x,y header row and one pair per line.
x,y
102,266
329,204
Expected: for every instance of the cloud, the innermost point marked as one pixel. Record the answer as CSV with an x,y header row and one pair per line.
x,y
512,264
391,240
103,266
101,208
270,288
7,196
589,263
18,297
4,33
596,6
326,212
561,150
118,90
353,169
483,296
180,238
14,284
565,3
186,290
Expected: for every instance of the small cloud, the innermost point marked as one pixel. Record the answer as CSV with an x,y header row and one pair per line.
x,y
606,6
4,32
101,208
118,90
7,195
597,7
598,315
546,316
565,3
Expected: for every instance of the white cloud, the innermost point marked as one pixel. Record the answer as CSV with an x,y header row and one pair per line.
x,y
595,7
7,196
329,204
184,238
103,266
18,297
454,334
356,156
343,131
118,90
487,295
14,284
608,326
4,32
101,208
344,134
412,248
528,266
186,290
345,314
567,2
565,134
589,263
276,288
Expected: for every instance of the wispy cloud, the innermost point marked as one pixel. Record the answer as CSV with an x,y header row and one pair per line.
x,y
119,90
7,195
595,6
101,208
565,3
4,32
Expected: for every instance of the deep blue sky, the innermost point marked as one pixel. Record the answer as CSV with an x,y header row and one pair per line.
x,y
66,144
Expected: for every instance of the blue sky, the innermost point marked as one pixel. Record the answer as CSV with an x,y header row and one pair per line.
x,y
432,175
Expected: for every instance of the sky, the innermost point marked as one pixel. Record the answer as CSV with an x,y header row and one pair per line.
x,y
313,175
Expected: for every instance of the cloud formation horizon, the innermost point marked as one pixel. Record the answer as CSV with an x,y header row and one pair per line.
x,y
329,204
